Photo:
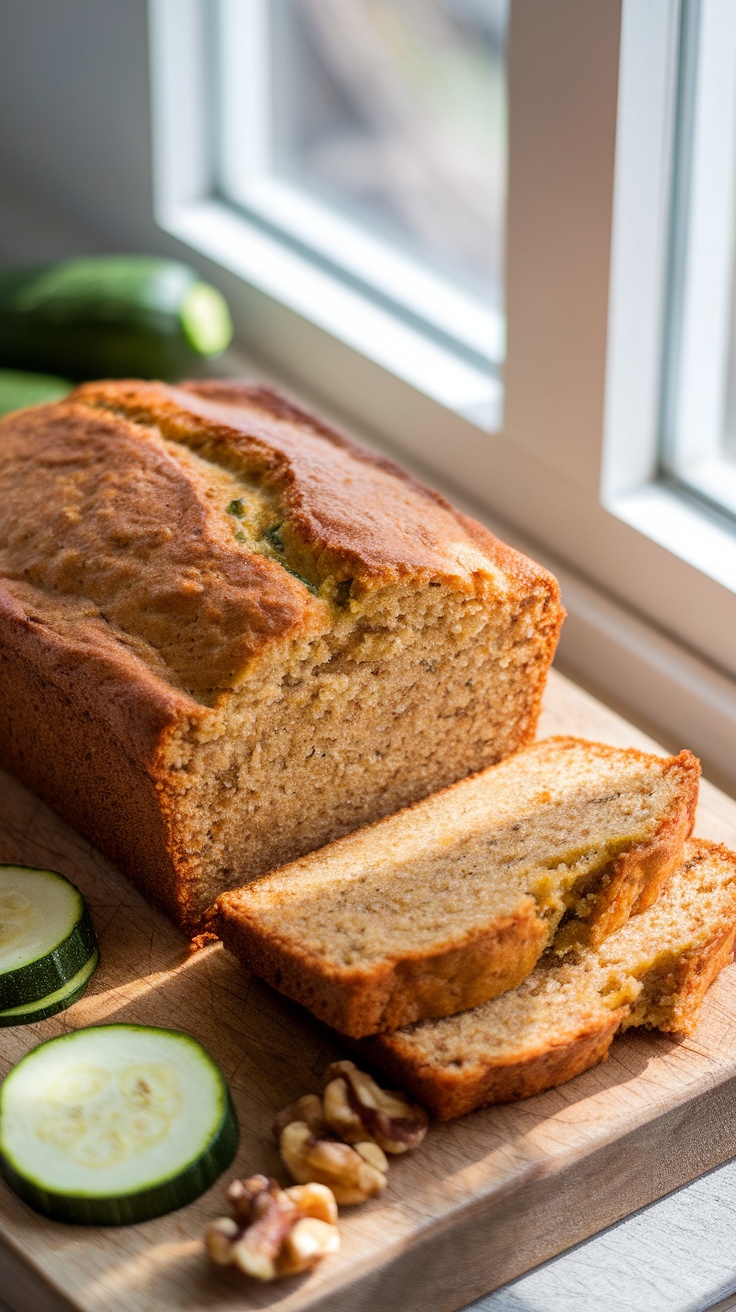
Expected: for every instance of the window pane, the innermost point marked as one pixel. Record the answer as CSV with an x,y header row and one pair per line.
x,y
700,368
394,111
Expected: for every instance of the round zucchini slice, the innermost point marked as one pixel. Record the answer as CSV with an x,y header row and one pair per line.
x,y
53,1002
115,1124
46,934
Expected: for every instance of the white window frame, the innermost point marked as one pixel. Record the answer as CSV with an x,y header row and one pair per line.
x,y
700,296
248,243
244,36
679,552
571,463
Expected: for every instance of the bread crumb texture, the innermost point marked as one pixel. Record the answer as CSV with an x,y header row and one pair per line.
x,y
561,1020
452,900
220,612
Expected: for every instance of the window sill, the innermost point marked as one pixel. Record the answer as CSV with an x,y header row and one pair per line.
x,y
684,529
249,252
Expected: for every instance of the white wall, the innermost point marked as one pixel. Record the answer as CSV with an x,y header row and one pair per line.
x,y
74,126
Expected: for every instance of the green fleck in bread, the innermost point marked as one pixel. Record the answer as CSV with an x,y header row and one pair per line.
x,y
653,971
452,900
228,635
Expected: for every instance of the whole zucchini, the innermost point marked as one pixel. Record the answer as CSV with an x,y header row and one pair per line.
x,y
111,316
19,390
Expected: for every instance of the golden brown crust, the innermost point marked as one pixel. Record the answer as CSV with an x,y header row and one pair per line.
x,y
82,656
99,771
511,562
448,1093
451,976
420,985
97,509
363,516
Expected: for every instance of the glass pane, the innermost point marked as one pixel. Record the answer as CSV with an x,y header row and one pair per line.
x,y
700,369
394,111
729,418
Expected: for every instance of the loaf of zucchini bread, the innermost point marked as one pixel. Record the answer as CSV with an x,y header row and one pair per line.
x,y
228,635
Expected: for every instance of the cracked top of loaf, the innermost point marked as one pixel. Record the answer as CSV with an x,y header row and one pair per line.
x,y
187,530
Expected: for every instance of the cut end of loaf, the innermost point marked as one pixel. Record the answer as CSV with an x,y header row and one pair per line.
x,y
404,695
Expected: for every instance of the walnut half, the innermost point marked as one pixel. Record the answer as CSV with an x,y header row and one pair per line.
x,y
353,1173
357,1109
274,1231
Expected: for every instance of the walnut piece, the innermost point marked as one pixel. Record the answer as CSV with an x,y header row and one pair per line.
x,y
358,1110
310,1240
274,1231
308,1109
353,1173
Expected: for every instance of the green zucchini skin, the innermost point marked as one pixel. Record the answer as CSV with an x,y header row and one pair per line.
x,y
157,1199
108,317
13,1017
19,390
144,1206
39,978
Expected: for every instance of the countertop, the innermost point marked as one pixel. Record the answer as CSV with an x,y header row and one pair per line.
x,y
678,1255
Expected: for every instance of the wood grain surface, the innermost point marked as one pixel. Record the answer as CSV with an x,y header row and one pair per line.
x,y
484,1199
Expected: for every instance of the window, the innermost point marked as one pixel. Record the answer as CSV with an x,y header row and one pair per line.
x,y
669,322
272,159
373,135
572,378
699,416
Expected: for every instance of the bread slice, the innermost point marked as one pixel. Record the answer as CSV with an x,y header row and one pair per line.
x,y
452,901
228,635
561,1020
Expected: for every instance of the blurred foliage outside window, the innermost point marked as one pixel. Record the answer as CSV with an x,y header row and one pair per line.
x,y
394,113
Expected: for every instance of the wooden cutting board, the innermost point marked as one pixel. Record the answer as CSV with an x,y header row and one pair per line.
x,y
484,1199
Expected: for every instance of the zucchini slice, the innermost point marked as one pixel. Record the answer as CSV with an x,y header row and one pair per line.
x,y
115,1124
53,1002
46,934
